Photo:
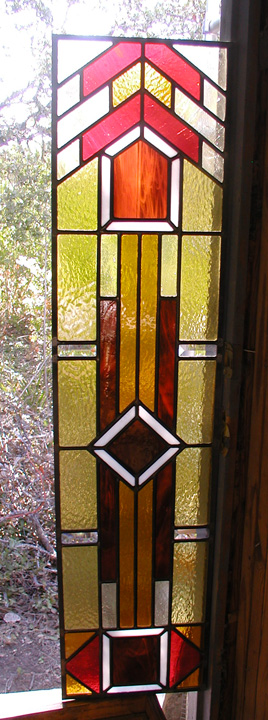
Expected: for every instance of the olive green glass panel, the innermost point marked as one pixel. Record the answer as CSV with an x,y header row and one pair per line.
x,y
126,84
196,386
77,278
78,500
200,283
169,260
157,85
193,470
77,401
78,199
189,582
202,201
80,587
108,281
148,309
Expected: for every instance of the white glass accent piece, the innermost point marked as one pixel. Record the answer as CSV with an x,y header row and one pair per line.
x,y
68,159
210,60
133,688
108,599
199,119
105,662
77,350
79,538
214,100
144,226
163,658
72,54
68,95
105,189
123,142
160,144
187,350
175,192
192,534
161,602
157,465
150,420
212,162
109,460
135,633
83,116
119,425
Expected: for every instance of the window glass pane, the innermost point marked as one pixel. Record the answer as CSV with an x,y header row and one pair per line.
x,y
78,199
200,280
77,401
202,201
193,468
78,491
189,582
196,384
77,278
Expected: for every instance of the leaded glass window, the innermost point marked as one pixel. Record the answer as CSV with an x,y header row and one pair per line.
x,y
138,176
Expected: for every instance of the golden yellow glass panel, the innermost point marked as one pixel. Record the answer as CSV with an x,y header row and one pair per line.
x,y
189,582
148,308
128,319
78,199
200,286
108,280
77,279
73,687
196,387
157,85
202,201
126,555
144,550
193,470
77,401
78,492
80,587
127,84
191,681
169,261
73,641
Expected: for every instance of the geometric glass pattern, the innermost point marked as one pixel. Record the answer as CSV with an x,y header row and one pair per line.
x,y
138,190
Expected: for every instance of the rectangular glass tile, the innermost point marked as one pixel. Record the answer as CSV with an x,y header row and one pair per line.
x,y
157,85
78,199
105,189
77,279
161,602
126,555
214,100
169,262
212,162
200,285
77,401
108,281
167,357
199,119
193,534
68,159
77,350
79,538
175,192
83,116
196,386
127,84
108,604
68,94
202,201
80,587
148,307
187,350
128,319
78,492
193,471
144,556
189,582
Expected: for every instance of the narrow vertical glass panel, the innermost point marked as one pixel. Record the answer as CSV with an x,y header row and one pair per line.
x,y
108,524
68,159
108,280
144,556
163,522
113,62
157,85
211,60
108,358
109,129
212,162
73,641
127,84
105,189
73,687
108,604
202,201
193,470
196,386
140,183
214,100
167,356
72,54
77,276
126,555
189,582
77,401
78,199
128,319
83,116
176,68
175,192
80,587
148,307
68,94
78,492
169,261
199,293
170,128
161,602
199,119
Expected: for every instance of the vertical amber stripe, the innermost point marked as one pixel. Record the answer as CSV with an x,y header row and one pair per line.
x,y
128,319
148,307
144,574
126,555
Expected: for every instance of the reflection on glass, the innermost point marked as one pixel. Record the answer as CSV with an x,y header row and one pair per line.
x,y
199,292
78,492
195,116
127,84
68,94
80,587
68,159
78,199
202,201
196,385
77,401
77,277
108,282
157,85
189,582
169,259
83,116
212,162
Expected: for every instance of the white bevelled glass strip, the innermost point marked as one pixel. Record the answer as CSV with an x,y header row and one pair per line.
x,y
163,658
119,425
150,420
123,142
157,465
175,192
135,633
134,688
105,189
160,144
105,662
136,226
116,466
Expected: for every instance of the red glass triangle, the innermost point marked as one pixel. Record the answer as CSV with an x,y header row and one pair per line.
x,y
184,658
111,127
112,62
170,128
85,665
175,67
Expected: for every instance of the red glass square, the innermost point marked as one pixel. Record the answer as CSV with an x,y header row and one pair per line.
x,y
135,660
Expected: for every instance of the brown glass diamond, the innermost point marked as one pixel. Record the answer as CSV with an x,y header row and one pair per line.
x,y
137,446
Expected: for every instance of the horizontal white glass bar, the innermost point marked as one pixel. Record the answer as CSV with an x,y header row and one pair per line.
x,y
68,95
134,688
105,662
123,142
72,54
163,658
83,116
150,420
196,534
144,226
159,143
77,350
119,469
175,192
79,538
194,350
135,633
119,425
105,189
68,159
157,465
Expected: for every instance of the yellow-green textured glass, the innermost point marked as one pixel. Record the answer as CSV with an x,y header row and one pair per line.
x,y
196,386
148,307
202,201
73,687
78,199
189,582
193,469
80,587
157,85
169,260
126,555
78,492
77,278
108,280
127,84
77,401
144,566
200,284
128,319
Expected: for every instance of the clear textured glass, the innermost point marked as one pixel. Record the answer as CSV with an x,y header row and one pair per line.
x,y
211,60
68,94
78,492
212,162
214,100
199,119
77,278
196,387
169,261
68,159
193,471
77,350
148,308
108,605
77,401
108,281
83,116
127,84
202,201
187,350
161,602
80,587
128,319
189,582
72,54
157,85
78,199
200,286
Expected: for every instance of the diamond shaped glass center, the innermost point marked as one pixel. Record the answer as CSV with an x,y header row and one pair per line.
x,y
137,446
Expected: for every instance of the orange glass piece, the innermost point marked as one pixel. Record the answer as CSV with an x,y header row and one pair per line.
x,y
126,555
73,641
140,183
192,632
128,319
144,573
192,680
148,309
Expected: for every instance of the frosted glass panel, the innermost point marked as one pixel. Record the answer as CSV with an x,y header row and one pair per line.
x,y
193,469
68,94
74,53
202,201
211,60
214,100
200,282
77,275
80,587
68,159
189,582
196,385
77,401
78,492
212,162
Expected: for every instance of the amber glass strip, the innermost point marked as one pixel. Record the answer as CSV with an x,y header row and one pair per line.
x,y
77,401
167,352
163,523
140,183
144,571
108,323
108,526
148,307
126,555
128,319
